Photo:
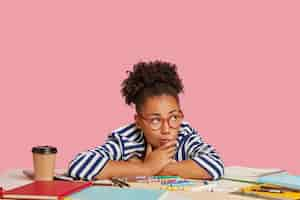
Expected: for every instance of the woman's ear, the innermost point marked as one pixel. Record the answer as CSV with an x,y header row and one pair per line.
x,y
137,121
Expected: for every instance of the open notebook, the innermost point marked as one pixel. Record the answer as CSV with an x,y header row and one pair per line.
x,y
114,193
248,174
284,180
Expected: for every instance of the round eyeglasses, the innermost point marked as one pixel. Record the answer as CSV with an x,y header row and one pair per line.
x,y
156,122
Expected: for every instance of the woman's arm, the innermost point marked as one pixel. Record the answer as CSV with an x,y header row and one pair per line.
x,y
200,161
86,165
154,162
123,169
185,169
201,158
105,162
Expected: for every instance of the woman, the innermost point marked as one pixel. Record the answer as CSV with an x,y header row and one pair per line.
x,y
158,142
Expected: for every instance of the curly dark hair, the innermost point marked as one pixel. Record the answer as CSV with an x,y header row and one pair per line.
x,y
149,79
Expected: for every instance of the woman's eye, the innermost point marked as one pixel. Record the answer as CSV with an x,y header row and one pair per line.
x,y
155,120
174,118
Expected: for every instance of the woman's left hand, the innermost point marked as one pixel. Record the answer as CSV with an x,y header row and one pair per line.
x,y
168,170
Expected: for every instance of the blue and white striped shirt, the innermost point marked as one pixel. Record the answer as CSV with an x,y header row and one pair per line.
x,y
127,142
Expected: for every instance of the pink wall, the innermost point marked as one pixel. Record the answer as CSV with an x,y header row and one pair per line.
x,y
61,65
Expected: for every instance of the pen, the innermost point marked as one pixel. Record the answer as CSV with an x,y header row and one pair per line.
x,y
104,182
268,190
120,182
124,183
116,183
283,189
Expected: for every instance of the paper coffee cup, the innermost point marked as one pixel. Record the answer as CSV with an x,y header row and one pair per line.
x,y
44,162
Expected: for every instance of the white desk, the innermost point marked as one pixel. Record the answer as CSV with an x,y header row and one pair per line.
x,y
14,178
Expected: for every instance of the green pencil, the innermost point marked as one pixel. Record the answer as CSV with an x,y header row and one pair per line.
x,y
166,177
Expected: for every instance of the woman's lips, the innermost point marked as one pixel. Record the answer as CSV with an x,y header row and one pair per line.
x,y
163,141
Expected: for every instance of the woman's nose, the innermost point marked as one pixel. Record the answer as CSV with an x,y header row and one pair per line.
x,y
165,129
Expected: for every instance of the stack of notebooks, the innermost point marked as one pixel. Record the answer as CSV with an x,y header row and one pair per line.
x,y
280,187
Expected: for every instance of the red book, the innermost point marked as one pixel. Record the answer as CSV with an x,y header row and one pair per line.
x,y
45,190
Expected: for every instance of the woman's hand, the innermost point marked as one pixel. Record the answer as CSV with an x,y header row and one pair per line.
x,y
169,169
155,160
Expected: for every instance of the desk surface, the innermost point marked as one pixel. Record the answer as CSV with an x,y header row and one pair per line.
x,y
15,178
178,195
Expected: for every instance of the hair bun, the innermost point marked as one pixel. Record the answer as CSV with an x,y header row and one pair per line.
x,y
150,75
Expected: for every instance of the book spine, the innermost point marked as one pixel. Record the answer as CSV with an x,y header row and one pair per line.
x,y
1,192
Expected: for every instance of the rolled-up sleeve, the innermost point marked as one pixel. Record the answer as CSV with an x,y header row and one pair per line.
x,y
204,155
86,165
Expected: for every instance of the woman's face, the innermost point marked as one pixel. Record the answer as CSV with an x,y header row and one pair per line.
x,y
160,118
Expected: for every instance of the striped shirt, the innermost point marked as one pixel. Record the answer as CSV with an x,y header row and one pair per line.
x,y
128,141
